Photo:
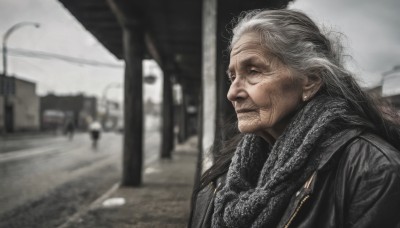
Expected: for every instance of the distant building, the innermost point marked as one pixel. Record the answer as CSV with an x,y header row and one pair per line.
x,y
391,97
19,105
56,110
394,100
390,82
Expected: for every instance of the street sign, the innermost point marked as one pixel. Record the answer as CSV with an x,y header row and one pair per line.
x,y
149,79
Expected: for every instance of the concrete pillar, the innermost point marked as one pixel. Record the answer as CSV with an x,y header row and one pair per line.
x,y
183,117
225,112
209,34
134,47
167,143
133,40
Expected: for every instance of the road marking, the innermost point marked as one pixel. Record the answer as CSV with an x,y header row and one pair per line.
x,y
10,156
18,155
85,210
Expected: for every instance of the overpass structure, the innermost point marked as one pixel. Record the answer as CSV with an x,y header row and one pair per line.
x,y
188,39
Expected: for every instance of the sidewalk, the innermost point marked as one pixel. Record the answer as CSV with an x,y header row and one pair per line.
x,y
162,201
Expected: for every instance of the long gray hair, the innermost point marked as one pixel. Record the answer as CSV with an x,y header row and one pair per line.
x,y
297,41
293,38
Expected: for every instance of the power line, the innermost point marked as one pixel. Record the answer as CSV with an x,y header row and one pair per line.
x,y
47,55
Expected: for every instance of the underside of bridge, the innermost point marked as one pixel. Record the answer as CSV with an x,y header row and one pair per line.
x,y
173,33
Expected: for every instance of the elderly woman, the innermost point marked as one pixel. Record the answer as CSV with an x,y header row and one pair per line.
x,y
314,149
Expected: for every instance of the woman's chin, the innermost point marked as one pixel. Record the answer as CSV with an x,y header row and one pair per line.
x,y
247,128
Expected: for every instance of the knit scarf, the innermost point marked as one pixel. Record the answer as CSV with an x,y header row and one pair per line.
x,y
262,178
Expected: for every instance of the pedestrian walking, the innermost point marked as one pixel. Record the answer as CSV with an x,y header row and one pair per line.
x,y
313,149
69,129
95,132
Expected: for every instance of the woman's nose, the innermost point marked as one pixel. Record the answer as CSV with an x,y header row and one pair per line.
x,y
236,91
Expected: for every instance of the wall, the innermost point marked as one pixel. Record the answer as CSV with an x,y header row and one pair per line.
x,y
26,106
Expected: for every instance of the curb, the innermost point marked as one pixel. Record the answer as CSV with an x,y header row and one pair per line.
x,y
75,217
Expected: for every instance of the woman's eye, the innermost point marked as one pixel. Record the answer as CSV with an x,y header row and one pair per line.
x,y
231,77
253,71
254,75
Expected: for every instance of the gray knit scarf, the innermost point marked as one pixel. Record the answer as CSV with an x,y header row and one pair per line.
x,y
261,180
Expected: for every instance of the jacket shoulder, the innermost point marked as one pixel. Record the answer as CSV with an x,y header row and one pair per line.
x,y
368,183
372,152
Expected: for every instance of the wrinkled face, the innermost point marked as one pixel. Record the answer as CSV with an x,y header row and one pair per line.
x,y
263,91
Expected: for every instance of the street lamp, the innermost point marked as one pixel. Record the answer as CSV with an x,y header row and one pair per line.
x,y
4,51
105,90
150,78
111,85
5,38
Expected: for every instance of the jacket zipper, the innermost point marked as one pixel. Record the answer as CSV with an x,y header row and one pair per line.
x,y
305,198
216,189
296,211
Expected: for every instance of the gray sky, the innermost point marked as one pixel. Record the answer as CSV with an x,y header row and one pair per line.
x,y
60,33
372,29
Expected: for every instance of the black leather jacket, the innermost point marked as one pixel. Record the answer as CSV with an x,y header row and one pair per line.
x,y
357,184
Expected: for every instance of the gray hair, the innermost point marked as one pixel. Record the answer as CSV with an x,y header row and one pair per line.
x,y
297,42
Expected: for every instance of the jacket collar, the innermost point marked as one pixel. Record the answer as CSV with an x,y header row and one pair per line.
x,y
334,149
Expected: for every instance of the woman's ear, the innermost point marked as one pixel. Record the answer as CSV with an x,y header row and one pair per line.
x,y
311,85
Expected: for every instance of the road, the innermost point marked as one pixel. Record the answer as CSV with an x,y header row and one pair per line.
x,y
46,179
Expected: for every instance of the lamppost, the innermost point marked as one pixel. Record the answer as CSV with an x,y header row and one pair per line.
x,y
105,102
4,52
5,38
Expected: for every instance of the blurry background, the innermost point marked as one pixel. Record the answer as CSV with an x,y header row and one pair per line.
x,y
58,73
371,35
59,33
61,58
65,63
371,29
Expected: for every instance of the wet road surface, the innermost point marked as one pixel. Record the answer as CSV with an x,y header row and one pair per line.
x,y
51,177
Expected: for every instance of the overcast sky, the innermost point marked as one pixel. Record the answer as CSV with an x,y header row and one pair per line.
x,y
60,33
372,29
